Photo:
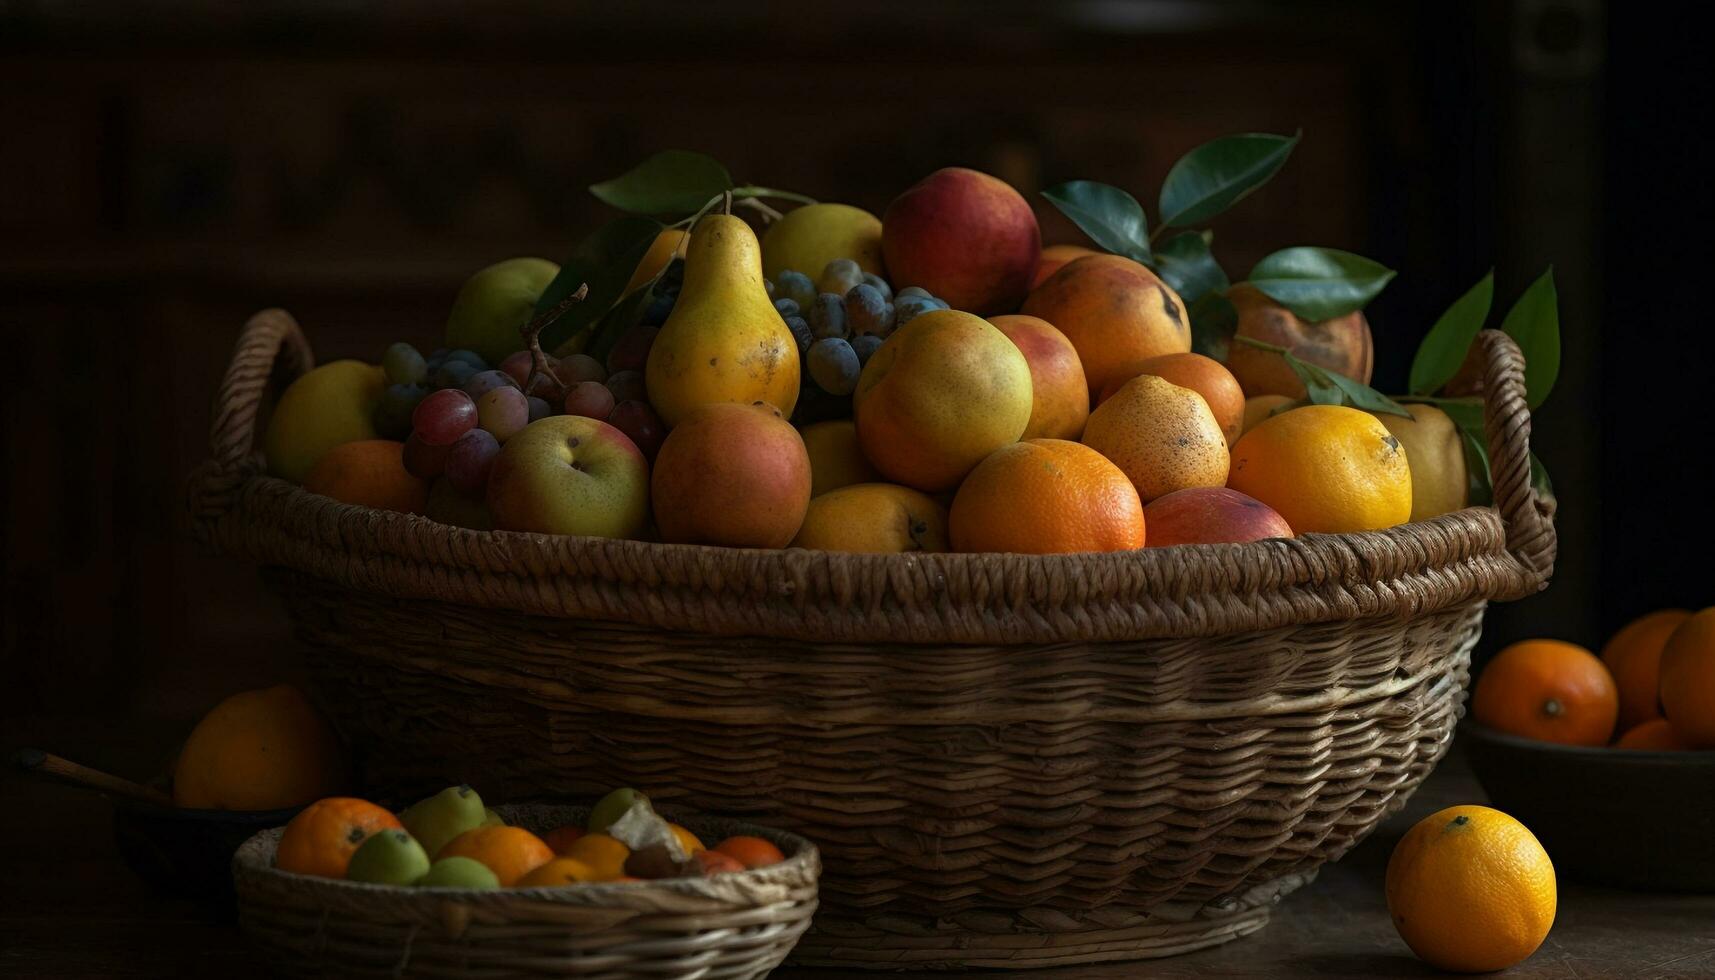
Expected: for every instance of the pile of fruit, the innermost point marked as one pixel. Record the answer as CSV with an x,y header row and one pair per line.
x,y
451,840
1652,689
931,380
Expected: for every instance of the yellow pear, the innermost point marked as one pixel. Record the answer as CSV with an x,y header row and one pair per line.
x,y
724,341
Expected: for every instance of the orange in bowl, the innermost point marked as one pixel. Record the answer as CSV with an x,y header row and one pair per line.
x,y
1548,690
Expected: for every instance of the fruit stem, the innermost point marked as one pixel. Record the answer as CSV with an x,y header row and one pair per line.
x,y
1265,345
769,215
533,342
751,190
726,202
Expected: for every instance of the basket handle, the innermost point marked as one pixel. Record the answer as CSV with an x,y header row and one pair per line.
x,y
1527,516
271,347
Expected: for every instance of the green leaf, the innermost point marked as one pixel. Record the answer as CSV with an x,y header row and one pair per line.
x,y
604,261
1112,218
673,183
1320,283
1539,478
1443,349
1534,322
1480,486
1213,323
1220,173
1332,388
1185,263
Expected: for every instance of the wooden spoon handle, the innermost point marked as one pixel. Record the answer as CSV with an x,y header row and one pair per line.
x,y
50,766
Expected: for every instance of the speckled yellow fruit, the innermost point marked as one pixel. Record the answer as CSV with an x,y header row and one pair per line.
x,y
1261,407
1436,453
1164,437
259,750
330,406
836,459
810,237
873,518
938,396
1325,468
661,251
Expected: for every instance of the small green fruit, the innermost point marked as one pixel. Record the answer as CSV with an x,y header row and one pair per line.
x,y
445,815
390,857
492,819
459,872
495,304
613,806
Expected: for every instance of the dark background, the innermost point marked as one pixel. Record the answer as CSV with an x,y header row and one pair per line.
x,y
167,170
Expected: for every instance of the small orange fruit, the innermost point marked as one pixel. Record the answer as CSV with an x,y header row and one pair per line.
x,y
1046,496
509,852
557,872
322,838
1633,656
1115,312
259,750
371,473
604,855
1471,889
1688,680
561,838
717,862
1204,375
1325,468
1548,690
1655,735
836,459
752,852
873,518
1164,437
687,840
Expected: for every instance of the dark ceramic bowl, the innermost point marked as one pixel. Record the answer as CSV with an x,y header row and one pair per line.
x,y
1643,820
188,853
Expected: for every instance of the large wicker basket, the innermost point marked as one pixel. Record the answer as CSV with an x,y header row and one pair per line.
x,y
1007,760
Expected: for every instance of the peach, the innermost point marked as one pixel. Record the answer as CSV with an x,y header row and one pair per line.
x,y
941,393
1116,313
1055,256
966,237
1204,375
1060,395
1210,515
1341,344
733,475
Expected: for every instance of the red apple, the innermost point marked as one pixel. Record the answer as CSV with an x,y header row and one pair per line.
x,y
966,237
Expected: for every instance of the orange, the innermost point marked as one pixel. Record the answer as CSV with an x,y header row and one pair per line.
x,y
1261,407
687,840
370,473
836,459
1342,345
667,244
604,855
1164,437
1204,375
873,518
752,852
1115,312
322,838
559,871
1688,680
259,750
1046,496
1055,256
561,838
1325,468
509,852
1059,392
1470,889
1548,690
1633,655
1655,735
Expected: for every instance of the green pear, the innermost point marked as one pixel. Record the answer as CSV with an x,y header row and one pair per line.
x,y
459,872
445,815
724,341
391,857
494,305
613,806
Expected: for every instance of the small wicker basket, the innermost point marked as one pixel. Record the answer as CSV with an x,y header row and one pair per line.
x,y
731,926
1010,760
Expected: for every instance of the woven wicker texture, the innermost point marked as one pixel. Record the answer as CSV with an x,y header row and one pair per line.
x,y
1008,760
734,925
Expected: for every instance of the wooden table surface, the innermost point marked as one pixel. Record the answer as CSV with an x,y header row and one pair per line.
x,y
68,907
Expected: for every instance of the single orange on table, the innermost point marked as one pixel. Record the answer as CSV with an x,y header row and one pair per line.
x,y
752,852
1655,735
1471,889
321,839
1046,496
1633,656
1688,680
509,852
1548,690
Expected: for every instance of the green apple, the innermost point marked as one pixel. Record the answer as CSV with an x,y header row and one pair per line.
x,y
494,305
567,474
330,406
391,857
459,872
445,815
614,805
